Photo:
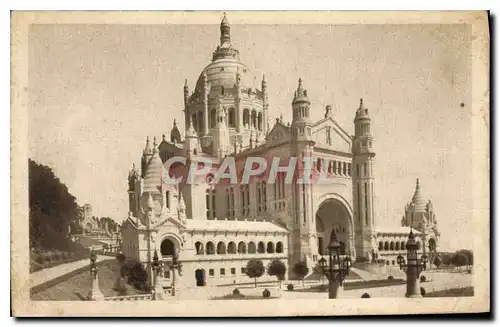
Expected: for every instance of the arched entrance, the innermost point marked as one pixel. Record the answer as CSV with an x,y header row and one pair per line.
x,y
167,248
432,245
333,215
199,274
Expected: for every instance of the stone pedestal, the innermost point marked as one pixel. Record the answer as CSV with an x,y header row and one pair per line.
x,y
95,293
119,284
158,292
412,282
334,289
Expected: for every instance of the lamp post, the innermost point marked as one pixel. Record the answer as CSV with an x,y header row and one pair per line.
x,y
338,267
157,268
413,267
95,293
174,266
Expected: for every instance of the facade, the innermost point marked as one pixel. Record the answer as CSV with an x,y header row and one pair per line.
x,y
216,227
85,218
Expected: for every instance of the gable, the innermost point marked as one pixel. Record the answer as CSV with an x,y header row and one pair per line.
x,y
329,135
279,134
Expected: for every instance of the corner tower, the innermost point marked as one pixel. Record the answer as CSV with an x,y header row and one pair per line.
x,y
362,183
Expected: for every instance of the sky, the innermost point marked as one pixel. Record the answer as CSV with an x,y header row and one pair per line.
x,y
97,91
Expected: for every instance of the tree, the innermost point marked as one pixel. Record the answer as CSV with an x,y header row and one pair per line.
x,y
277,268
138,276
52,209
301,270
255,268
459,259
437,262
469,255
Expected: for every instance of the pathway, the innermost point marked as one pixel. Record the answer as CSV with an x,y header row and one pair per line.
x,y
45,275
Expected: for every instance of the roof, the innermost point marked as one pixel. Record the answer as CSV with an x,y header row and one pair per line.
x,y
396,230
235,225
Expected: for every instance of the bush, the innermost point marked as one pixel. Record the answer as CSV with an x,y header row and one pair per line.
x,y
290,287
47,258
266,293
423,279
137,276
56,256
236,292
39,259
422,291
365,296
390,277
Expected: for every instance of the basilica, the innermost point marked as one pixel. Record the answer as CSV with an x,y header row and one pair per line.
x,y
213,229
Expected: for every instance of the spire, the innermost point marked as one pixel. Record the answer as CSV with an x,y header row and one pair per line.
x,y
264,81
362,112
225,31
418,199
147,148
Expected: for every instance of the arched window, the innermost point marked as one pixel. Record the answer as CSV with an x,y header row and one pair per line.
x,y
259,121
199,248
251,247
242,248
245,199
195,122
279,247
200,121
230,203
261,196
210,203
231,118
397,246
167,247
380,246
231,248
386,246
246,118
403,246
261,247
432,245
270,247
365,169
392,246
319,165
221,248
210,248
254,118
213,118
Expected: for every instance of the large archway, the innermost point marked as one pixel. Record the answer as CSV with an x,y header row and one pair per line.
x,y
167,248
331,215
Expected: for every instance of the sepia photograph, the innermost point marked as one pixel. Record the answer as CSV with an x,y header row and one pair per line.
x,y
212,163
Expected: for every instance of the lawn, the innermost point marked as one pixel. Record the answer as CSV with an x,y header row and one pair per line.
x,y
77,287
453,292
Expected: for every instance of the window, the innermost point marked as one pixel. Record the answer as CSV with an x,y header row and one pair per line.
x,y
222,87
261,248
279,192
222,272
251,247
195,125
211,272
210,248
246,117
166,274
242,248
221,248
233,271
270,247
360,214
231,248
231,119
254,118
212,118
279,247
200,121
245,200
167,199
366,203
261,196
243,270
230,202
199,247
259,121
357,170
365,169
210,203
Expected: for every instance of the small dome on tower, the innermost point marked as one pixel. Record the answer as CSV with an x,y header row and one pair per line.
x,y
154,174
300,95
362,112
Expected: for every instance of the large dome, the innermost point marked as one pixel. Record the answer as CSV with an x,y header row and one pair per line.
x,y
223,72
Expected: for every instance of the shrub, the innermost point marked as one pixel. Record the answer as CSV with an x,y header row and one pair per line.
x,y
422,291
236,292
39,259
290,287
137,276
47,258
423,279
56,256
390,277
266,293
365,296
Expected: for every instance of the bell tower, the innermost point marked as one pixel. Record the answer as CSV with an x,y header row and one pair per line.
x,y
362,182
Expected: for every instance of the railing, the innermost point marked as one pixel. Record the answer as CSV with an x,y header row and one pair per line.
x,y
139,297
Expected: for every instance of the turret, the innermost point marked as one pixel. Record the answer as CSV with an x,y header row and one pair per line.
x,y
146,156
265,104
301,122
175,134
225,31
362,181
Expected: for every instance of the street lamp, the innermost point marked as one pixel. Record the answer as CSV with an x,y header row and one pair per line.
x,y
338,267
413,267
157,267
